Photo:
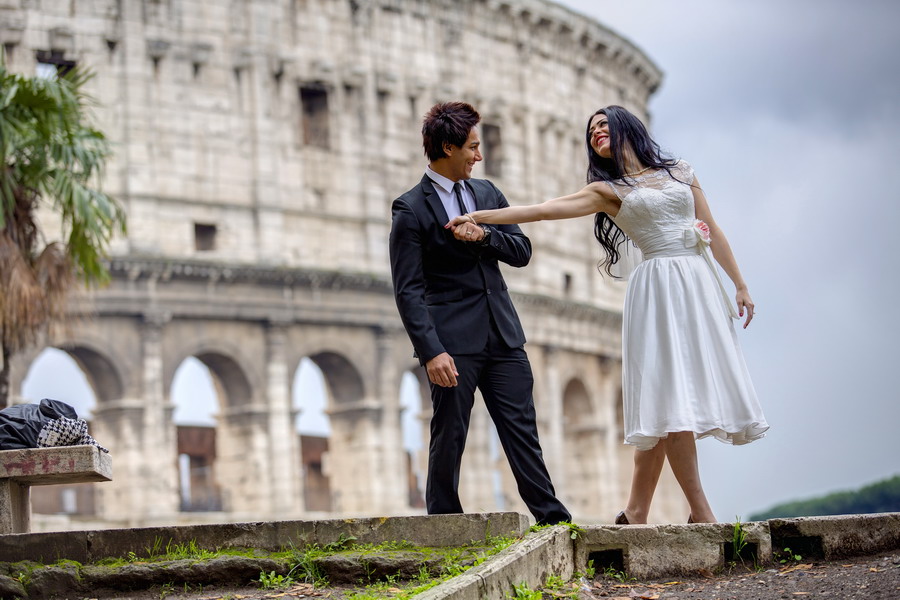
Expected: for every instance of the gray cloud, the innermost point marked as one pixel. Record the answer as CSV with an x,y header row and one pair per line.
x,y
789,113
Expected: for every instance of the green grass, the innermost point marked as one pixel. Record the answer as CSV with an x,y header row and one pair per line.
x,y
452,561
301,566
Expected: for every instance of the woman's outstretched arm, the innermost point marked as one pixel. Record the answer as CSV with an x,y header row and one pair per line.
x,y
593,198
721,250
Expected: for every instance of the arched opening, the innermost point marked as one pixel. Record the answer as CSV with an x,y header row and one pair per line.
x,y
55,374
582,448
196,399
217,432
411,401
353,444
80,377
310,399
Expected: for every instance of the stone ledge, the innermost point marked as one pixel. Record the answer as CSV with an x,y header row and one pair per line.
x,y
546,552
91,546
646,551
20,469
654,551
837,536
47,466
651,551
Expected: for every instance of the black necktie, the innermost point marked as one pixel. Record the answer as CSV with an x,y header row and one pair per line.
x,y
457,189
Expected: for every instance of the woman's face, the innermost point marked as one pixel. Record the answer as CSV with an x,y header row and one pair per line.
x,y
599,133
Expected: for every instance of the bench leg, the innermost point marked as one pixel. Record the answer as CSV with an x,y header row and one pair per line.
x,y
15,507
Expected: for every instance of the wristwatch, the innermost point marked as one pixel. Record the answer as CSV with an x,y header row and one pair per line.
x,y
487,234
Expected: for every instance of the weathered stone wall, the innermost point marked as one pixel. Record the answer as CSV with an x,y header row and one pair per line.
x,y
258,146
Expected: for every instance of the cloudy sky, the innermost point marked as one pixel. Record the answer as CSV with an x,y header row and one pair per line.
x,y
788,111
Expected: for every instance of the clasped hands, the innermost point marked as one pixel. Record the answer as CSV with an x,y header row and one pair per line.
x,y
465,229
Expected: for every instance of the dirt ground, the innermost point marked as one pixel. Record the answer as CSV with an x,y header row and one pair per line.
x,y
871,577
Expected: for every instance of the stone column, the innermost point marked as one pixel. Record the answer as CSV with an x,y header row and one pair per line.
x,y
284,443
614,457
352,463
550,419
119,425
393,497
242,463
159,486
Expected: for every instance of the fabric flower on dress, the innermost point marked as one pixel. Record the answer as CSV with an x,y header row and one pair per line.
x,y
698,235
702,230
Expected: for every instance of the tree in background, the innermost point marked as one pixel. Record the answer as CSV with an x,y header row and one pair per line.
x,y
881,496
49,154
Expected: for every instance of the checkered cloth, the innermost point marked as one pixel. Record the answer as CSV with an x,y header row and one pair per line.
x,y
66,432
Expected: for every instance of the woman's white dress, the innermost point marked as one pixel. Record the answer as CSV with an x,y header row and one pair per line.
x,y
682,367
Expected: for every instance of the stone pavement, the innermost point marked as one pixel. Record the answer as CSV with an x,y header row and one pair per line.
x,y
643,552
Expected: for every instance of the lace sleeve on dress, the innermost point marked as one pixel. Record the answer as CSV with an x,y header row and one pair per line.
x,y
685,172
620,194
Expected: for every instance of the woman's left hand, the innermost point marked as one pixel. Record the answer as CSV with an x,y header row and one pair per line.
x,y
459,221
745,304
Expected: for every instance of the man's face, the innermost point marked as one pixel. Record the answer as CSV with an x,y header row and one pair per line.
x,y
460,160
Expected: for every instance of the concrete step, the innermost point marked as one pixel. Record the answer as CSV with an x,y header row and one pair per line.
x,y
641,551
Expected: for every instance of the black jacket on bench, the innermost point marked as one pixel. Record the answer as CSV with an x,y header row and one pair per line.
x,y
21,424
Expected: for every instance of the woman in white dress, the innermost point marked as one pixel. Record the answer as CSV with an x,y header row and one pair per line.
x,y
683,372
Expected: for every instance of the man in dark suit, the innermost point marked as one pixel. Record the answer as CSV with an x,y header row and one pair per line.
x,y
457,311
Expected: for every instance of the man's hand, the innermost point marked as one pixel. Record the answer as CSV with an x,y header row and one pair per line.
x,y
466,231
442,370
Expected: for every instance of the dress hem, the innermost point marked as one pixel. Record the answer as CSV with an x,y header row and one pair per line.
x,y
748,434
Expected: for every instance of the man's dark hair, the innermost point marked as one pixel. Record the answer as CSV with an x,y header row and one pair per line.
x,y
447,122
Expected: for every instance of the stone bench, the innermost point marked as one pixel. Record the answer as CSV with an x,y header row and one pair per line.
x,y
21,469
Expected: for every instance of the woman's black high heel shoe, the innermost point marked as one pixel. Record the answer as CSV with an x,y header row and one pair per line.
x,y
621,519
691,519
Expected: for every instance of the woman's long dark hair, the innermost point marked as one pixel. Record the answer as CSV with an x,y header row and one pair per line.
x,y
624,129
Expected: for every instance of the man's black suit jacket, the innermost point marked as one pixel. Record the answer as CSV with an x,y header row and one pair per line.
x,y
448,290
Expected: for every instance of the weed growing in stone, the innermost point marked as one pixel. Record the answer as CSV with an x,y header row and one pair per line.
x,y
738,537
273,581
523,592
305,568
166,589
614,573
787,556
589,572
557,587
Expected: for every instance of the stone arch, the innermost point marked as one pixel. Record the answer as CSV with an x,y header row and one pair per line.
x,y
233,452
100,369
102,379
237,384
345,384
309,403
354,444
230,379
583,447
414,422
103,372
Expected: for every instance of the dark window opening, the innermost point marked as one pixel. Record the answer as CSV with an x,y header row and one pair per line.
x,y
784,546
611,558
746,552
204,237
52,60
492,150
314,102
567,282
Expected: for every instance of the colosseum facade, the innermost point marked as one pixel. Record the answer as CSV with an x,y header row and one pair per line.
x,y
258,146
